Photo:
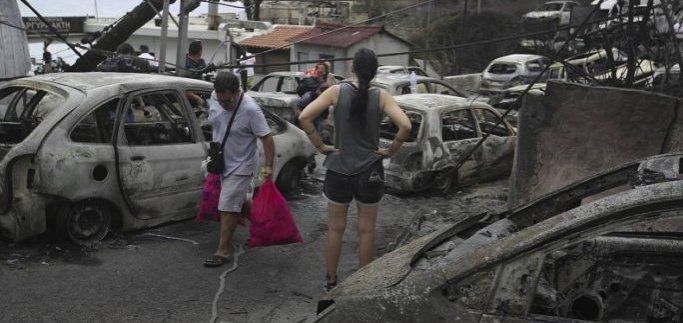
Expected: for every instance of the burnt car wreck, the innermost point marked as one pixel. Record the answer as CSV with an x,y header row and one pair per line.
x,y
607,248
84,153
445,129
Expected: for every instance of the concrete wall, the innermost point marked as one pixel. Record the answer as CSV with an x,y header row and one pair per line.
x,y
314,52
575,131
384,44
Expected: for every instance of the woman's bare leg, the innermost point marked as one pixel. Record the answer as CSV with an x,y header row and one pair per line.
x,y
336,224
367,216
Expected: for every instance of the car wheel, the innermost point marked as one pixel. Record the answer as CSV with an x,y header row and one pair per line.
x,y
85,223
289,178
444,180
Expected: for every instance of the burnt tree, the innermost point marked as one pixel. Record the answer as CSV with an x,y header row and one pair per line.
x,y
117,34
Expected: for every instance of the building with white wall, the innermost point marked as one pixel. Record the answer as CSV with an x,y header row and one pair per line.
x,y
344,43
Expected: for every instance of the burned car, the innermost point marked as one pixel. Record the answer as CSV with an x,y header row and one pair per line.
x,y
282,104
509,99
88,151
398,69
399,84
513,70
444,129
560,11
285,82
608,248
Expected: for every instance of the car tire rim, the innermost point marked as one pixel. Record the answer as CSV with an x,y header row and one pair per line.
x,y
88,224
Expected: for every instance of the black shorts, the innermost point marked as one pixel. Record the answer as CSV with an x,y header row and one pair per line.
x,y
366,187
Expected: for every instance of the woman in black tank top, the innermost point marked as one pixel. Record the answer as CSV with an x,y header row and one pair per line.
x,y
354,164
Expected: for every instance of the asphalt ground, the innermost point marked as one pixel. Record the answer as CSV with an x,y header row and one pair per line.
x,y
156,275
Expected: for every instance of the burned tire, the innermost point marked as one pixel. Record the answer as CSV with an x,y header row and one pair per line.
x,y
289,177
85,223
444,181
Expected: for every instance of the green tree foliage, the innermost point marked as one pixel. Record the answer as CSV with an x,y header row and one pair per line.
x,y
453,30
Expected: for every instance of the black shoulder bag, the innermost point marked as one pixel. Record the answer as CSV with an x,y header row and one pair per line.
x,y
216,163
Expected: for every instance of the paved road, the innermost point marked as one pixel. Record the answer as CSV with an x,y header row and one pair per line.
x,y
156,275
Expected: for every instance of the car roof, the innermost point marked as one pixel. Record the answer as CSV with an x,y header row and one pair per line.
x,y
274,98
92,80
516,58
399,78
434,102
287,73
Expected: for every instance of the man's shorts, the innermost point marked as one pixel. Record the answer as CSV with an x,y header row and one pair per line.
x,y
366,187
234,190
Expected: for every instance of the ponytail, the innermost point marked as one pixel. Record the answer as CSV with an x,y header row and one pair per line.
x,y
365,67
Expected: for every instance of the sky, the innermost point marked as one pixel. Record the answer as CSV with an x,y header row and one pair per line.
x,y
97,8
104,8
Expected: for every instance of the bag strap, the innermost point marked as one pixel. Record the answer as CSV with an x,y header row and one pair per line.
x,y
232,118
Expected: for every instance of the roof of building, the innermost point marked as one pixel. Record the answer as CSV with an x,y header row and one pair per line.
x,y
276,38
342,38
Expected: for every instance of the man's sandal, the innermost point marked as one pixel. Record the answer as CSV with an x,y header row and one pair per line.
x,y
215,261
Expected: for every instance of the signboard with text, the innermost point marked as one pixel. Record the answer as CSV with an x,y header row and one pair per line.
x,y
65,25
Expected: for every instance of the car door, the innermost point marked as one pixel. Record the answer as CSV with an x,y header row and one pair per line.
x,y
159,154
499,148
459,136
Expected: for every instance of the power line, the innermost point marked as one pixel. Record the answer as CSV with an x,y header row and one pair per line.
x,y
339,29
227,5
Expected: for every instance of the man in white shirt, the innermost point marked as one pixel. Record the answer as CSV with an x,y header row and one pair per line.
x,y
144,53
240,153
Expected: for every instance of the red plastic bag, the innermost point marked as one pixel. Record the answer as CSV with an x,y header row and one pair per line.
x,y
208,206
271,221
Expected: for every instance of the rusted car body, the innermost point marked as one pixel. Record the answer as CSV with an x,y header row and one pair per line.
x,y
445,128
397,69
608,248
284,82
282,104
398,84
85,151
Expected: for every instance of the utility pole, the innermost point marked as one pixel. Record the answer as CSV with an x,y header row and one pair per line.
x,y
478,6
213,15
186,6
164,37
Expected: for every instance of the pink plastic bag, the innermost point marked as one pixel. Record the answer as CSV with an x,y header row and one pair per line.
x,y
208,206
271,221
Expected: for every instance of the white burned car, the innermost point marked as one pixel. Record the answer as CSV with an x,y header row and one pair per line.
x,y
444,129
87,151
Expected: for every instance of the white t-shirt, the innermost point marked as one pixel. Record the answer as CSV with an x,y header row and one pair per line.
x,y
148,57
240,151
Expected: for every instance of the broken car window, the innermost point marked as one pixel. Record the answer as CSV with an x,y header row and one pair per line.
x,y
98,126
289,85
269,84
388,130
457,125
156,119
488,121
502,68
6,97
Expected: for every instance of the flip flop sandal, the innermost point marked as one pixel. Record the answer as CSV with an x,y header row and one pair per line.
x,y
215,261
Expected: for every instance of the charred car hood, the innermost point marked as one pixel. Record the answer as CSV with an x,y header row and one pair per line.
x,y
408,278
542,15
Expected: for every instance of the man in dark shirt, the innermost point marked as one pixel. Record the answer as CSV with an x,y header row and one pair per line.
x,y
125,61
194,63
